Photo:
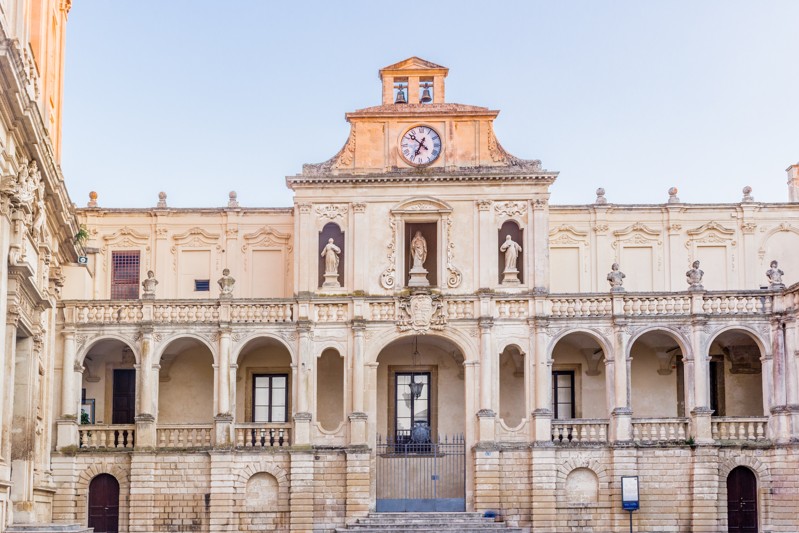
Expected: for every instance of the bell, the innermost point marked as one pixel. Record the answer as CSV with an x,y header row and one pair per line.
x,y
400,97
426,98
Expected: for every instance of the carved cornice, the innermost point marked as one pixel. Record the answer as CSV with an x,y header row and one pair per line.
x,y
638,227
710,226
422,204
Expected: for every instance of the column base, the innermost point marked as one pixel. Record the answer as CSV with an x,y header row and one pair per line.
x,y
542,425
621,425
701,422
358,429
486,425
67,435
145,431
223,431
302,430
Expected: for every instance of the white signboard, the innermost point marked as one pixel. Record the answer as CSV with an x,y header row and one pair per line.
x,y
629,493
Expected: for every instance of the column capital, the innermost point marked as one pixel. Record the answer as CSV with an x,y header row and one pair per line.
x,y
358,326
485,322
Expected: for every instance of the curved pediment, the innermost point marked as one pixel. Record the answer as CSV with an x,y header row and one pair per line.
x,y
422,204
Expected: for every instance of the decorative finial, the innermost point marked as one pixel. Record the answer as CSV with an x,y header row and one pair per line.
x,y
673,196
600,196
161,199
747,194
232,202
92,199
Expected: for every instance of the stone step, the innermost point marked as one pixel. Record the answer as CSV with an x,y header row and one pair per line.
x,y
428,523
48,528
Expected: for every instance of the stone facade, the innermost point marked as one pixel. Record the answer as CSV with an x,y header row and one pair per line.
x,y
272,399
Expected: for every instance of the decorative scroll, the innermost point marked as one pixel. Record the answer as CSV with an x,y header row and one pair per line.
x,y
388,279
455,276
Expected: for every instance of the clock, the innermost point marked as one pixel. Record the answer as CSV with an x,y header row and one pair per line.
x,y
420,145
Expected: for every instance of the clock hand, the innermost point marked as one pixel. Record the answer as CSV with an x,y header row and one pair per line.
x,y
421,145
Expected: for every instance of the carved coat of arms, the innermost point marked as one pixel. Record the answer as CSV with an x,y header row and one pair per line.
x,y
421,312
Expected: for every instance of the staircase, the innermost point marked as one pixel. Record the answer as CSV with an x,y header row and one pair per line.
x,y
47,528
428,523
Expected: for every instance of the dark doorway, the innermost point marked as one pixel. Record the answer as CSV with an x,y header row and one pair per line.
x,y
124,400
741,501
104,504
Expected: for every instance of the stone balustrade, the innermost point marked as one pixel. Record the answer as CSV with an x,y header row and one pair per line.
x,y
655,430
739,429
580,431
342,310
263,435
92,437
184,435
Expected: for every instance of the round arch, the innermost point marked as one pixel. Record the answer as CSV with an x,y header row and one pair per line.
x,y
595,335
458,338
751,332
677,336
84,351
235,354
164,344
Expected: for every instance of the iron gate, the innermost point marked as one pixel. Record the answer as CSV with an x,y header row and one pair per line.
x,y
421,476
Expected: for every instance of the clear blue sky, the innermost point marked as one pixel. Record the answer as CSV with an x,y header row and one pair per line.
x,y
198,97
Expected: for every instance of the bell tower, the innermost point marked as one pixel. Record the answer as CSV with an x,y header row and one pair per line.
x,y
413,81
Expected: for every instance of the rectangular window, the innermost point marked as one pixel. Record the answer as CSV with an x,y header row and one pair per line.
x,y
563,394
409,410
270,397
202,285
125,275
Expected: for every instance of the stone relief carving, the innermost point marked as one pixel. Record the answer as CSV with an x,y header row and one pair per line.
x,y
347,154
748,228
388,278
304,208
601,229
499,155
266,238
484,205
359,207
454,276
196,237
511,209
421,312
332,211
342,159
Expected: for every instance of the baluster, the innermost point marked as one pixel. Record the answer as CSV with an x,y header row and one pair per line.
x,y
239,437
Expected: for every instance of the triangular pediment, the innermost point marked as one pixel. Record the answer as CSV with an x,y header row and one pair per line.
x,y
414,63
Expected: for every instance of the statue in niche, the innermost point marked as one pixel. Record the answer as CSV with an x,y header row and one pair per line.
x,y
774,275
330,253
419,254
39,220
694,277
616,278
511,249
226,283
418,251
148,285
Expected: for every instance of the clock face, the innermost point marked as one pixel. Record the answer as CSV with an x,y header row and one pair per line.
x,y
420,145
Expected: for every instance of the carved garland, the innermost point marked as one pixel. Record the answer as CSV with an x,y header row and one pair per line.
x,y
455,276
196,237
266,238
388,279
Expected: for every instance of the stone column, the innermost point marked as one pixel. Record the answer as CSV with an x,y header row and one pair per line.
x,y
792,374
701,413
539,274
370,390
10,343
488,275
542,374
302,416
779,430
358,419
486,415
145,418
621,429
67,425
223,420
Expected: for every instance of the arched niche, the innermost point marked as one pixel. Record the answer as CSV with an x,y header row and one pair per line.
x,y
331,230
582,486
510,227
262,492
511,386
330,389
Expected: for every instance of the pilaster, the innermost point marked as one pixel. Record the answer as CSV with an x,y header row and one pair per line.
x,y
621,428
542,374
358,483
301,495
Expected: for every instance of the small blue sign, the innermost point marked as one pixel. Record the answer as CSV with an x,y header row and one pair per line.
x,y
629,493
83,260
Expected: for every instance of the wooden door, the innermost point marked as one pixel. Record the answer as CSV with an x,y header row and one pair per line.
x,y
741,501
124,400
104,504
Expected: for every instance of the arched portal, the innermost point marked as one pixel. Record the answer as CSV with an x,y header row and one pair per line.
x,y
104,504
736,376
657,379
108,394
186,383
579,388
421,413
741,501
